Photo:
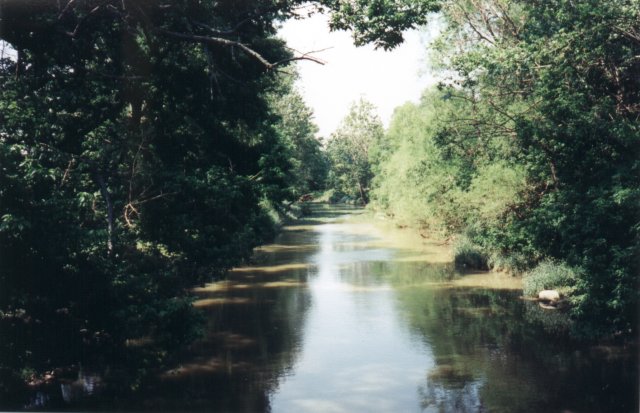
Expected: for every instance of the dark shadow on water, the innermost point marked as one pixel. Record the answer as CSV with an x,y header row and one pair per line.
x,y
494,352
483,349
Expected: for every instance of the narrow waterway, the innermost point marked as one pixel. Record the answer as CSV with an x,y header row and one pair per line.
x,y
339,316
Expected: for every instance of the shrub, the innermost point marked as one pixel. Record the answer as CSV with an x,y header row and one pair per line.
x,y
469,256
551,275
515,263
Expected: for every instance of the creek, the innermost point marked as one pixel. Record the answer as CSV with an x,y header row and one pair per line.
x,y
340,314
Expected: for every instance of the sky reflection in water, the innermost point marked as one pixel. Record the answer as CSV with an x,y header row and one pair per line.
x,y
339,315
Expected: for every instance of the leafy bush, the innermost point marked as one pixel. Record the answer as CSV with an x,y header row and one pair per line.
x,y
469,256
516,263
551,275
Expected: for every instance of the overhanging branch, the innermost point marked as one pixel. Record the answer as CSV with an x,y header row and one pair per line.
x,y
220,41
217,41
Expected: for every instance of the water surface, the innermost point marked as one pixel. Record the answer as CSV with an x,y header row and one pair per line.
x,y
340,315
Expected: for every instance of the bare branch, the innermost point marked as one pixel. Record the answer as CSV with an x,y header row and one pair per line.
x,y
66,172
66,8
218,41
487,20
469,21
628,34
232,43
505,15
304,56
82,20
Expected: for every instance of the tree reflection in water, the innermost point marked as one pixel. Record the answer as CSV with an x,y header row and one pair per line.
x,y
253,334
494,352
329,318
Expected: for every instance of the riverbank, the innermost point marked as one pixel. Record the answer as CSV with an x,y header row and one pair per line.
x,y
419,247
380,316
429,249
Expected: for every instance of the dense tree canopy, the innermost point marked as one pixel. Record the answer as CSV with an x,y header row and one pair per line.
x,y
33,23
309,162
140,144
531,148
143,142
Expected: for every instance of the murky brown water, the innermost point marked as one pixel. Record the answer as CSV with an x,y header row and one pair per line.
x,y
340,315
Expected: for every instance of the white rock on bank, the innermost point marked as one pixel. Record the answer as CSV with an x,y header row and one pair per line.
x,y
549,295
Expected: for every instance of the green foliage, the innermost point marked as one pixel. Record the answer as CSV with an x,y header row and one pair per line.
x,y
380,22
550,275
351,150
468,256
139,145
309,164
532,149
423,182
493,187
410,173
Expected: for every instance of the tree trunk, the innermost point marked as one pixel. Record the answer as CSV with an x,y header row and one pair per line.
x,y
363,195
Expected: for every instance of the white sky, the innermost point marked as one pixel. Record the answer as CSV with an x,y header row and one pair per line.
x,y
386,79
